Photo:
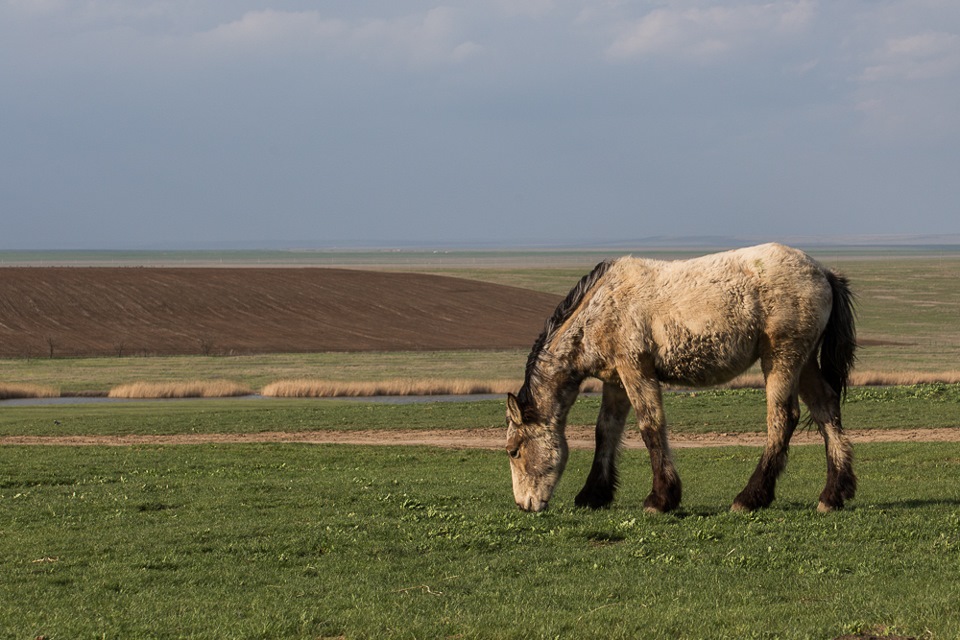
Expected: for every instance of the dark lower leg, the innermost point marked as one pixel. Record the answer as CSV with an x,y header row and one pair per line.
x,y
667,489
841,481
601,484
824,406
640,381
761,488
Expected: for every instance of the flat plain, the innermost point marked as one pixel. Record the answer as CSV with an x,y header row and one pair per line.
x,y
387,317
265,540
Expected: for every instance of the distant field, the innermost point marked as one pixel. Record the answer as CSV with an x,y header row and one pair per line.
x,y
95,311
476,322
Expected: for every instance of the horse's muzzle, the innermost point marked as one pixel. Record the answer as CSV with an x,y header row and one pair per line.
x,y
534,505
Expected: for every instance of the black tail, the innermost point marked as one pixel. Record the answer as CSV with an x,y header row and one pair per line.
x,y
839,346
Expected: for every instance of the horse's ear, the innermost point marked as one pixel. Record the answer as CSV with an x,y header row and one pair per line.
x,y
514,414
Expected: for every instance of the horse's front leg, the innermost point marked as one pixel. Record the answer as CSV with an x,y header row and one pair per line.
x,y
644,391
602,482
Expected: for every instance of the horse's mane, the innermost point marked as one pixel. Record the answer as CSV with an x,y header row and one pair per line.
x,y
560,315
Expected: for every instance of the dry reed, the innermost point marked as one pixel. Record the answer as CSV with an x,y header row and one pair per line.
x,y
319,388
903,378
191,389
13,391
864,379
312,388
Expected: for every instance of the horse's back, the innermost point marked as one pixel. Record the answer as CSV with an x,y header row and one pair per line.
x,y
704,319
758,275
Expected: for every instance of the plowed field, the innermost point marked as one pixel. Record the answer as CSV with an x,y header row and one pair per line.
x,y
67,311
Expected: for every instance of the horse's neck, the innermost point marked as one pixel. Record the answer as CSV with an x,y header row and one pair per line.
x,y
557,383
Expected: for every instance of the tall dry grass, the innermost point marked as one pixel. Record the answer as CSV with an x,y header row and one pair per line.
x,y
190,389
319,388
904,378
315,388
865,379
12,391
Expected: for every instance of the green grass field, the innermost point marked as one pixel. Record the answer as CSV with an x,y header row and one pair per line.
x,y
72,375
367,542
336,541
917,407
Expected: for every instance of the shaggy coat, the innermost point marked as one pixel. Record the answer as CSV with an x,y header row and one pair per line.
x,y
636,323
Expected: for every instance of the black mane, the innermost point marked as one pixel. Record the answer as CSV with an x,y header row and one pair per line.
x,y
560,315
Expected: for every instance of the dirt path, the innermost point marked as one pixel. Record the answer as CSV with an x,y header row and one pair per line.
x,y
578,438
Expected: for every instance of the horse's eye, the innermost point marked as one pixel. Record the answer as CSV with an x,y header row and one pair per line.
x,y
514,453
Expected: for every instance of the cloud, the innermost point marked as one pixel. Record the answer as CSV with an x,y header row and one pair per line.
x,y
269,26
908,85
700,33
420,40
923,56
426,39
529,8
473,115
36,6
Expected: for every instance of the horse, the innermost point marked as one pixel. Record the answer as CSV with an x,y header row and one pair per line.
x,y
636,324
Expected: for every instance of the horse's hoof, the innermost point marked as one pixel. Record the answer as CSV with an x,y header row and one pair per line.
x,y
596,498
738,507
823,507
655,504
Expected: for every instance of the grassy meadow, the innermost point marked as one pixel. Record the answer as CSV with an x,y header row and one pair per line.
x,y
376,542
78,375
338,541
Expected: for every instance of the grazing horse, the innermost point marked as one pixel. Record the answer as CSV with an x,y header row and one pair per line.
x,y
636,323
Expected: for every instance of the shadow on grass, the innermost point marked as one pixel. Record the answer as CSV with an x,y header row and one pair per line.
x,y
912,503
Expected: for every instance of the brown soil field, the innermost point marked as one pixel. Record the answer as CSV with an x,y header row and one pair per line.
x,y
95,311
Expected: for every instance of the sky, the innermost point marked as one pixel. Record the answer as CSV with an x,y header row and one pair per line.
x,y
176,124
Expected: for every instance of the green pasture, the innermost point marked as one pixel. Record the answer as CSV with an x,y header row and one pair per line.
x,y
75,375
299,541
914,407
308,541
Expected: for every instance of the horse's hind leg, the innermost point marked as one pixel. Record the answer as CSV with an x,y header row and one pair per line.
x,y
824,405
783,414
602,481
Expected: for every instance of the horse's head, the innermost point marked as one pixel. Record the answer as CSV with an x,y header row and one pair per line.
x,y
538,455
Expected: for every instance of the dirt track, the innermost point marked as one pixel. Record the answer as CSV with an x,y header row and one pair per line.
x,y
93,311
578,438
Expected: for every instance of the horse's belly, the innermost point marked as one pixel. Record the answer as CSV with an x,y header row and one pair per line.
x,y
704,359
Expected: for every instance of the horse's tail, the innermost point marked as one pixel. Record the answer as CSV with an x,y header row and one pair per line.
x,y
839,346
